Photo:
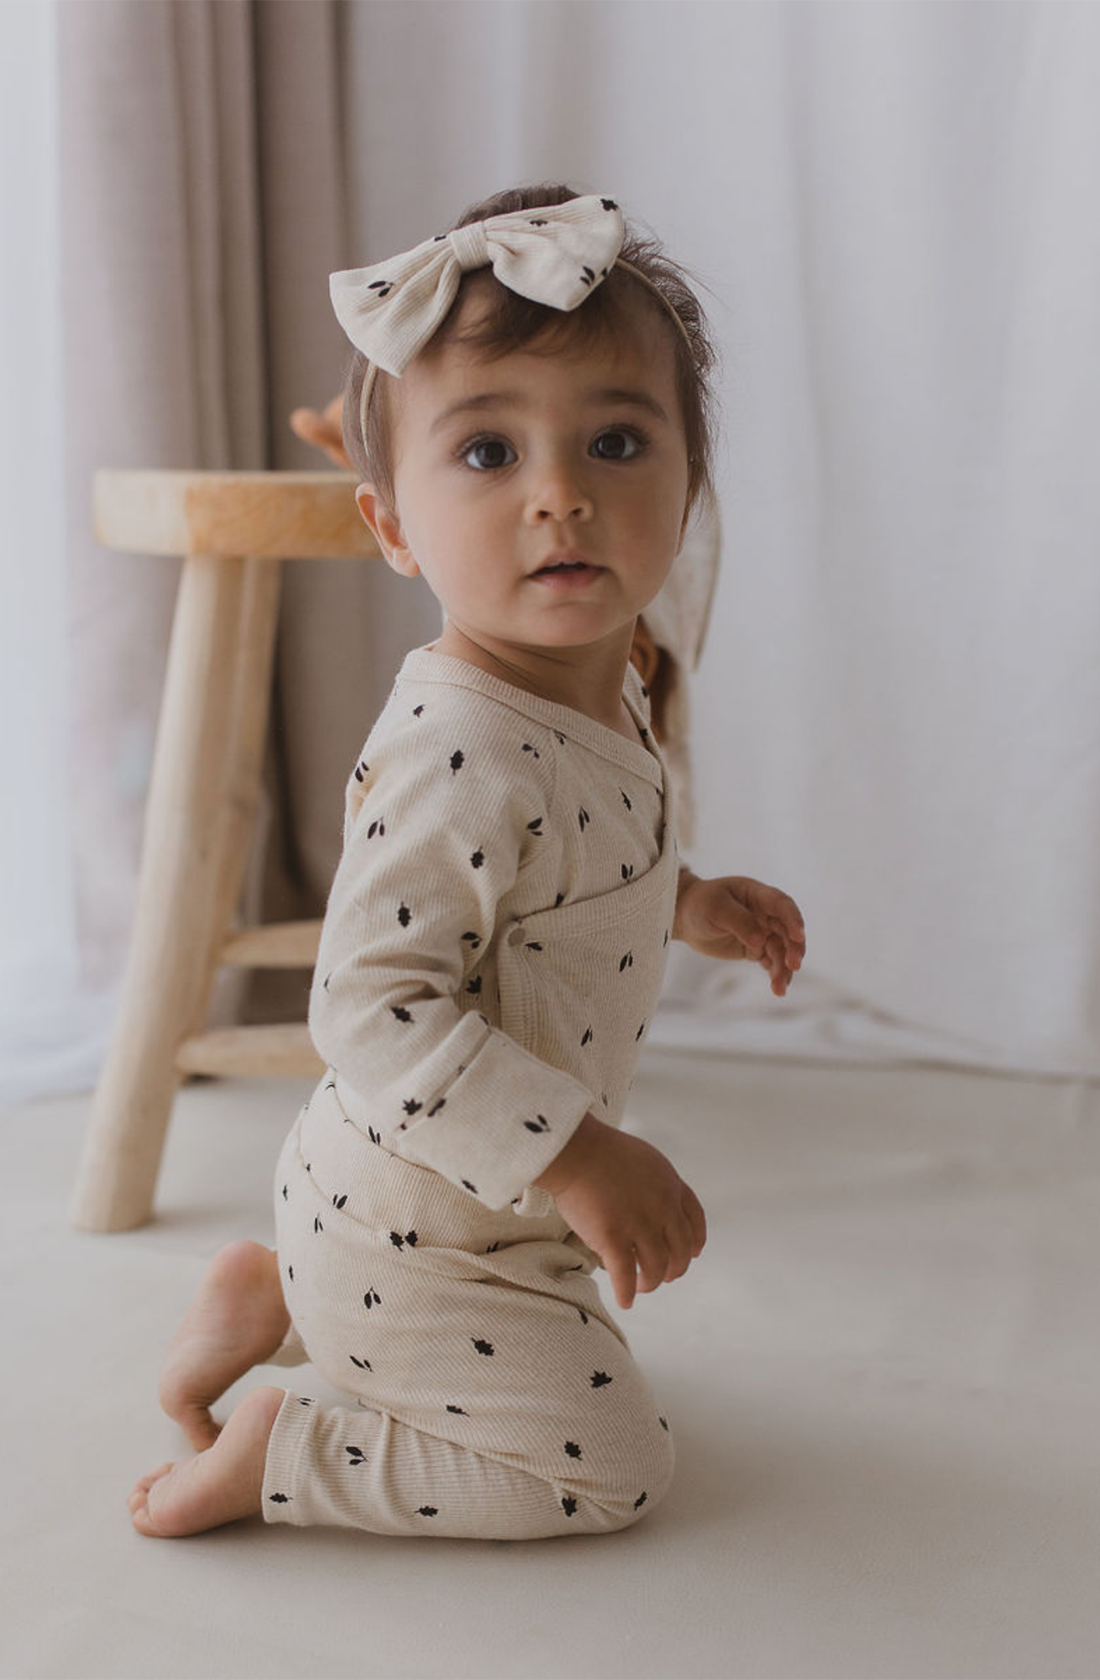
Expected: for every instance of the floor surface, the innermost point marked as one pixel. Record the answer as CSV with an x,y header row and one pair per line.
x,y
882,1374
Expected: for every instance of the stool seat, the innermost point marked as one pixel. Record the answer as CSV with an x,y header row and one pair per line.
x,y
232,530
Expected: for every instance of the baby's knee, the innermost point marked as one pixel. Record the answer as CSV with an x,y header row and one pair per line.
x,y
636,1489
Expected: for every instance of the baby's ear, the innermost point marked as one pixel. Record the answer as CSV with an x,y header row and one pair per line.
x,y
386,526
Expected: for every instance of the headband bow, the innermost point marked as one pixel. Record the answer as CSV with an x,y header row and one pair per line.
x,y
555,254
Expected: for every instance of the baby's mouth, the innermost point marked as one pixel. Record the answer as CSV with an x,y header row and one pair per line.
x,y
567,568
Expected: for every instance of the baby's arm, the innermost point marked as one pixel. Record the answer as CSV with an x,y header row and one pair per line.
x,y
452,805
629,1204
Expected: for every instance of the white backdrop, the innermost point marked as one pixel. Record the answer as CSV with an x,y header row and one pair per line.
x,y
898,712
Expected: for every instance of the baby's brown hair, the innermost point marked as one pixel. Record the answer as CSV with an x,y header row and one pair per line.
x,y
512,321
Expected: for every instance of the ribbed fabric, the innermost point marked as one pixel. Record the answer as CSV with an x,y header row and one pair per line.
x,y
495,1395
490,959
496,933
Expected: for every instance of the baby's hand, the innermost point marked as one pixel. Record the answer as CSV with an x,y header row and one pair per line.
x,y
734,916
629,1204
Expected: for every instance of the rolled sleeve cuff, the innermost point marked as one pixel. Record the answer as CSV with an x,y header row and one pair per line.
x,y
500,1123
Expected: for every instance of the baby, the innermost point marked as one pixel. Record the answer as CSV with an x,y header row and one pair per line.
x,y
528,409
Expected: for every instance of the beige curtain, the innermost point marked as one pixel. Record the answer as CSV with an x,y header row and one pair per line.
x,y
202,209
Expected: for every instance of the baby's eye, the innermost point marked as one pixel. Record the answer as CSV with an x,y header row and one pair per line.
x,y
619,434
487,461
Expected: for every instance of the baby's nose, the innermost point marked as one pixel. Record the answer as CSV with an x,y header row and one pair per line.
x,y
560,496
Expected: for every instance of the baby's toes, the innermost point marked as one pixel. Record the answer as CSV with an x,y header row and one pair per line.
x,y
138,1500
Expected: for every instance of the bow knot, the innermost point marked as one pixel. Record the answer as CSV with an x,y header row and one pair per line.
x,y
470,245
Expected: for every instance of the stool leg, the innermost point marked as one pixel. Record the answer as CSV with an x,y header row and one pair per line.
x,y
200,805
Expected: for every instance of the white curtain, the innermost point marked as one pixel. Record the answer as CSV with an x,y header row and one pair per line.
x,y
898,712
51,1031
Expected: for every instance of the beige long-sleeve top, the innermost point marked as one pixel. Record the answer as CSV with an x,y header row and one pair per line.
x,y
496,932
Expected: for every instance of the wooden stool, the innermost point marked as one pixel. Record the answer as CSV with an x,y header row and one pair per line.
x,y
232,530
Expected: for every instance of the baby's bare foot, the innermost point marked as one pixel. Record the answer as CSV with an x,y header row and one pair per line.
x,y
221,1485
237,1320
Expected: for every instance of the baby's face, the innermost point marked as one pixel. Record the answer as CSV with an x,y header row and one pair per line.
x,y
502,465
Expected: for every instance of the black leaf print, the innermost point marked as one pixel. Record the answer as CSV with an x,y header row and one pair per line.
x,y
435,1108
532,945
535,827
588,274
644,733
317,1226
609,204
483,1347
382,287
539,1124
527,747
339,1201
584,1315
458,1411
627,961
663,1422
400,1012
377,827
538,221
561,737
473,940
404,914
639,1032
356,1455
641,1499
569,1504
304,1400
417,711
410,1238
427,1510
279,1498
397,1239
666,938
477,858
493,1246
411,1106
363,1364
375,1137
472,1188
285,1197
572,1449
457,761
603,1098
372,1298
290,1273
328,977
475,985
587,1039
627,871
600,1379
626,801
558,900
583,817
645,691
361,770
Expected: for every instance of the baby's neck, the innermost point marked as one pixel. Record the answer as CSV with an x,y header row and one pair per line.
x,y
590,680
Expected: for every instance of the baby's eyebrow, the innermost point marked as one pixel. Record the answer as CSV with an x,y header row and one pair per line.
x,y
519,399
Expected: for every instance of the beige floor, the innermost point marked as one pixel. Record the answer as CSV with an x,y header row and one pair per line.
x,y
882,1374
